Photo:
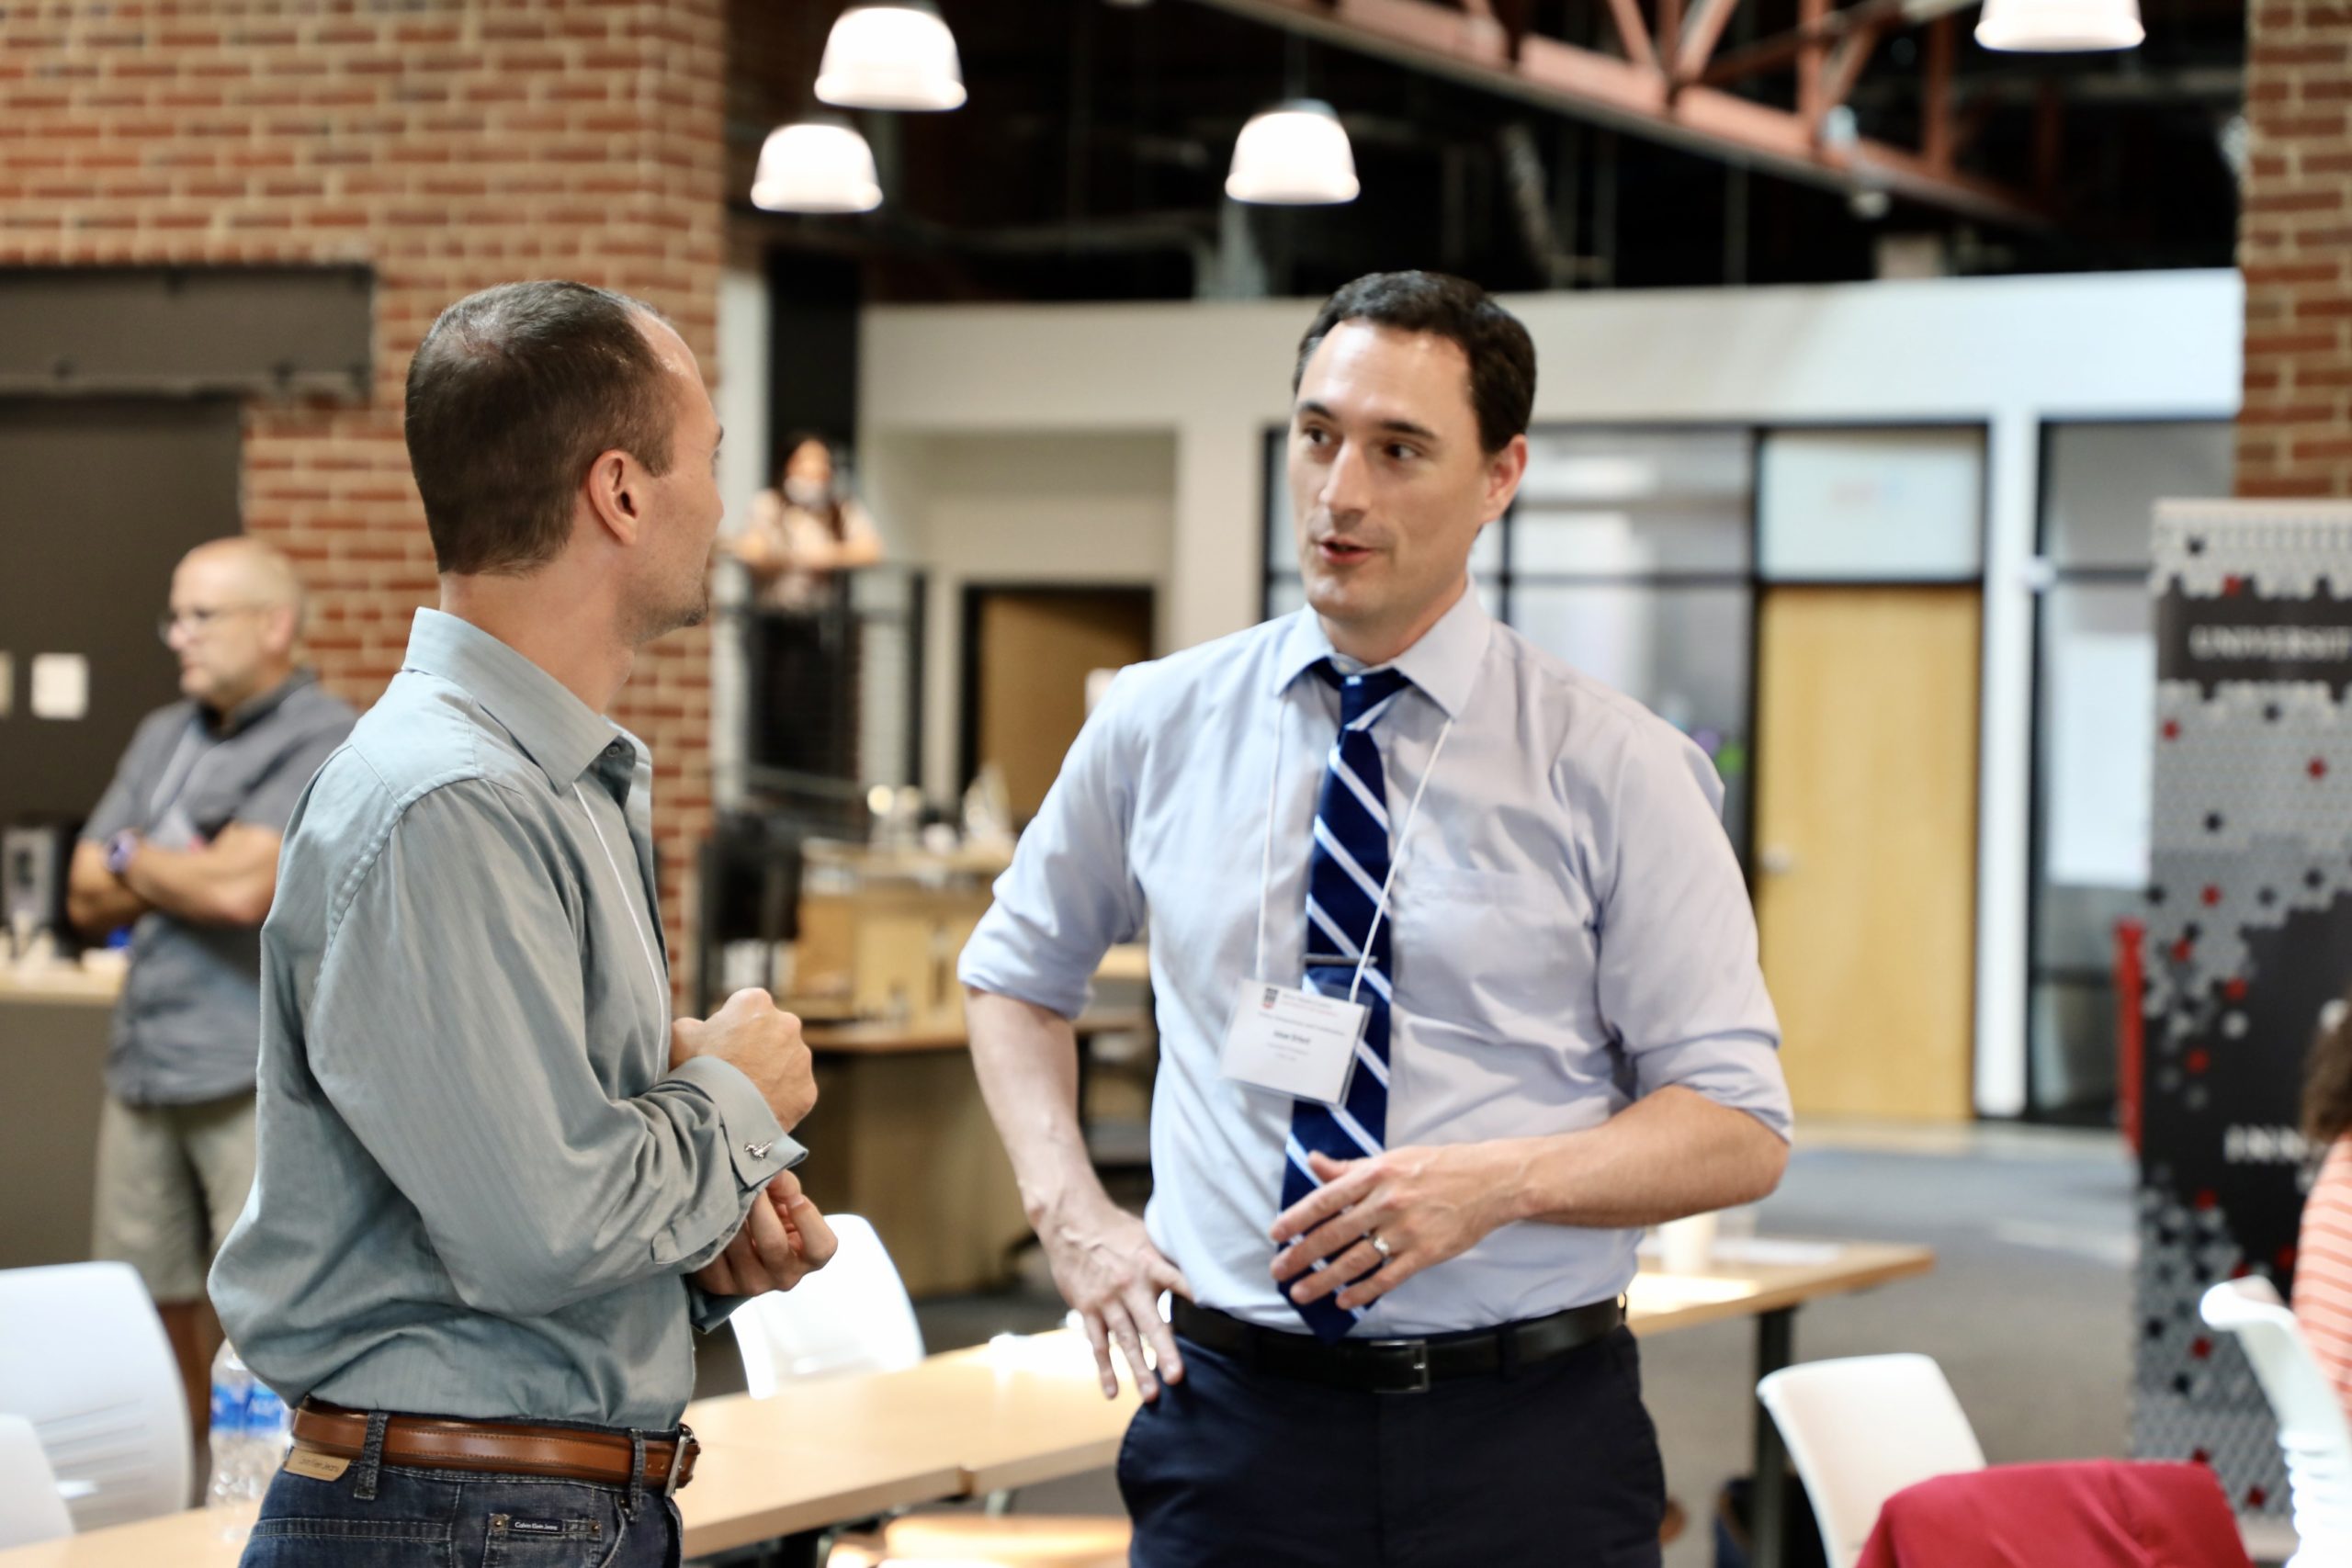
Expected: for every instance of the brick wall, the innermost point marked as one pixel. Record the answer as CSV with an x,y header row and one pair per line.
x,y
450,145
2295,245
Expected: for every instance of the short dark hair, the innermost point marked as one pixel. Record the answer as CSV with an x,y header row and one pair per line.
x,y
511,396
1502,357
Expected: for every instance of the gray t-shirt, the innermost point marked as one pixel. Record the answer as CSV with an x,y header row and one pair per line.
x,y
188,1029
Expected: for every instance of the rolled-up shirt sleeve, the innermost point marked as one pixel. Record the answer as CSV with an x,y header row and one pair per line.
x,y
448,1029
1677,978
1071,892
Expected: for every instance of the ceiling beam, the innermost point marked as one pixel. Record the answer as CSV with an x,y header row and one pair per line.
x,y
1632,33
1699,36
1637,95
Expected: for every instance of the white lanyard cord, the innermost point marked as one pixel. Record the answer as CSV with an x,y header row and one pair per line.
x,y
1266,860
1396,856
176,773
644,944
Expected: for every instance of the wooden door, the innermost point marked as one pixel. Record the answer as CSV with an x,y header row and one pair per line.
x,y
1031,651
1866,844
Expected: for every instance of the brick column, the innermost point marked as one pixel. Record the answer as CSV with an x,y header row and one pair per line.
x,y
2295,246
448,144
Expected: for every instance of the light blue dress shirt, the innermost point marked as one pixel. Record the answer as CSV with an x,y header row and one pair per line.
x,y
1571,932
482,1184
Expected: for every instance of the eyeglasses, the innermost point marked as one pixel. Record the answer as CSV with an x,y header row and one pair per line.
x,y
198,622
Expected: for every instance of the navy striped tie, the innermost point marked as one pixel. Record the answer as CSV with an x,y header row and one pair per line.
x,y
1345,872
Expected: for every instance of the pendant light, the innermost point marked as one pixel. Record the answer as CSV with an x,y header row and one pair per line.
x,y
2049,26
818,164
897,55
1294,154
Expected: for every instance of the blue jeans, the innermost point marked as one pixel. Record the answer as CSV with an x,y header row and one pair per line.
x,y
387,1515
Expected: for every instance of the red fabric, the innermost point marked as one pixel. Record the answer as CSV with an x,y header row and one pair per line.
x,y
2087,1514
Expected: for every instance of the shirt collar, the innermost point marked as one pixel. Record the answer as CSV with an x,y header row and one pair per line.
x,y
558,731
1443,664
253,710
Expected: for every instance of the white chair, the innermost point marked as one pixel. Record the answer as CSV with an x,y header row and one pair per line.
x,y
1863,1428
2313,1432
83,1357
852,1316
31,1510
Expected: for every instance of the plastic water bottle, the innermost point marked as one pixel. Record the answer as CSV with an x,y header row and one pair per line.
x,y
249,1432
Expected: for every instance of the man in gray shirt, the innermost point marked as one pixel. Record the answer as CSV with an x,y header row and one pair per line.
x,y
499,1183
183,850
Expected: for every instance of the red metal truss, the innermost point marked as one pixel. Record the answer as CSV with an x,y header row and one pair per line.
x,y
1666,84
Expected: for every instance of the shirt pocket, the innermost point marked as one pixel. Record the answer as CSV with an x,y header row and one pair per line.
x,y
1504,956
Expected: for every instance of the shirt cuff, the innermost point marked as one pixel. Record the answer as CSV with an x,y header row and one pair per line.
x,y
756,1141
990,963
1741,1071
709,1313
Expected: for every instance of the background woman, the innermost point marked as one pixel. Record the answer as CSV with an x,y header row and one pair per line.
x,y
2323,1251
803,530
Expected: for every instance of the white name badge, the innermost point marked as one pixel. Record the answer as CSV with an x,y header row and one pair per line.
x,y
1294,1043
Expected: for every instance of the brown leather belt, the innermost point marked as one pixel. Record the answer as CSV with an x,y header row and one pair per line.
x,y
504,1448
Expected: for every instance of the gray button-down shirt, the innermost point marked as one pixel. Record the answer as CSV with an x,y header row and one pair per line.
x,y
186,1027
482,1184
1570,932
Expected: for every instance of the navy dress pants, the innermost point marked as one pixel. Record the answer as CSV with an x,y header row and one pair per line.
x,y
1552,1464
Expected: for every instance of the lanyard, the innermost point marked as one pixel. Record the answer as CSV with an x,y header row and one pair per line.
x,y
179,773
660,985
1396,853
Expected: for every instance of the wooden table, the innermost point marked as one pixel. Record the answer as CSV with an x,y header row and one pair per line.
x,y
875,1037
56,1023
62,984
1768,1280
901,1135
1010,1413
1005,1415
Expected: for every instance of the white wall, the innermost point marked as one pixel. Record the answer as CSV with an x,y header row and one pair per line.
x,y
1092,507
2008,352
740,396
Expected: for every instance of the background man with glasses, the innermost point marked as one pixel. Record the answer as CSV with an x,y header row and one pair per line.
x,y
183,850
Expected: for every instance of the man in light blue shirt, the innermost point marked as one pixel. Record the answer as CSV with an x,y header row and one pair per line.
x,y
1532,971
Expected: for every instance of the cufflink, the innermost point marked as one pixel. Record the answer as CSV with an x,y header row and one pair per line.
x,y
759,1151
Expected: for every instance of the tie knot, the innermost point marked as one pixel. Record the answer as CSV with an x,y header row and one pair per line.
x,y
1364,696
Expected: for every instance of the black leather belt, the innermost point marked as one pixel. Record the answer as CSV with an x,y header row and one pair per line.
x,y
1399,1366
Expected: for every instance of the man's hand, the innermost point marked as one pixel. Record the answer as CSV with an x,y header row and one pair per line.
x,y
783,1240
750,1033
1427,1204
96,900
1106,1268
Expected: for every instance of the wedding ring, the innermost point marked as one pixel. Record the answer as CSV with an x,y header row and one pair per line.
x,y
1379,1245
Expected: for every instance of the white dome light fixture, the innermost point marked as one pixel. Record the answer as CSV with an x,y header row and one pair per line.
x,y
2055,27
894,56
816,165
1294,154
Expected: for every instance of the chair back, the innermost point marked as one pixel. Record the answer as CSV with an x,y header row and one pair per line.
x,y
852,1316
30,1509
1861,1429
2313,1432
83,1357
